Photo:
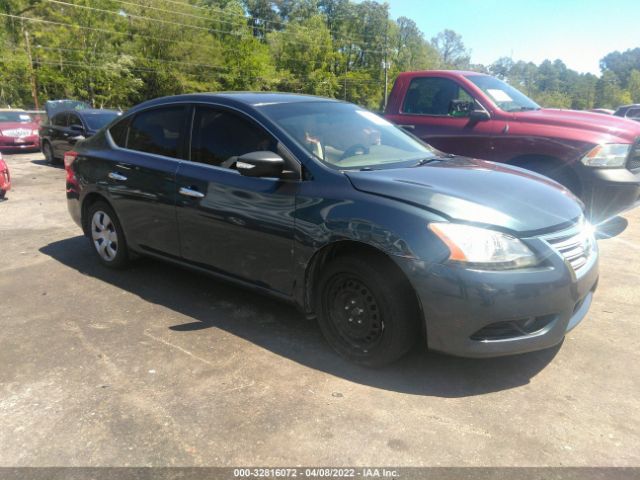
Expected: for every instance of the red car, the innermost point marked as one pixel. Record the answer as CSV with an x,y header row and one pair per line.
x,y
18,131
595,156
5,178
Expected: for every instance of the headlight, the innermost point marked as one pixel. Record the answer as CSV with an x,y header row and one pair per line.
x,y
483,248
34,132
607,155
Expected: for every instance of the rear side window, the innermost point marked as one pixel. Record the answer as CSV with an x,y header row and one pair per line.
x,y
433,96
119,132
634,113
158,131
60,120
219,137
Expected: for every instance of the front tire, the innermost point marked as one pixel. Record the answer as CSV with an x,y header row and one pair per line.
x,y
106,236
367,310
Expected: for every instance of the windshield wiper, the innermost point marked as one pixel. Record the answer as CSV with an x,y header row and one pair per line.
x,y
426,161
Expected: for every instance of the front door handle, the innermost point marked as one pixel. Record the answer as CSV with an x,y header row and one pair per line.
x,y
408,127
188,192
117,176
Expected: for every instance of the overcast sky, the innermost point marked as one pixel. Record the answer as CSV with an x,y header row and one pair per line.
x,y
579,32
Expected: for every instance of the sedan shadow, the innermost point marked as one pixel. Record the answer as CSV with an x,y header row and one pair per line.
x,y
282,329
44,163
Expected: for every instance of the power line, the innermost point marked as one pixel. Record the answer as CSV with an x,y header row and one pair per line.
x,y
208,29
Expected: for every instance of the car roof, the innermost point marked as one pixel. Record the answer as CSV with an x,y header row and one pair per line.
x,y
251,99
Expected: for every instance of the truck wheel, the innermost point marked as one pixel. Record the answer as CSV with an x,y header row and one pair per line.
x,y
106,235
366,310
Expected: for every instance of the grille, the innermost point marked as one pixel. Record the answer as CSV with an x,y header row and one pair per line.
x,y
574,244
17,132
634,156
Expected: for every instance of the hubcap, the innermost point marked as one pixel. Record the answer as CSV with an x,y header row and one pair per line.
x,y
104,236
354,312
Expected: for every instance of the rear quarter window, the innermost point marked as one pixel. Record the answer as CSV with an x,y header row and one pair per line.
x,y
119,132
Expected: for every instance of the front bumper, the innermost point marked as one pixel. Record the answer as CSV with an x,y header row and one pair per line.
x,y
461,305
607,192
14,144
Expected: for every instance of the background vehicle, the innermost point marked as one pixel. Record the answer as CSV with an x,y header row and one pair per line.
x,y
66,128
18,131
466,113
5,178
329,206
632,112
605,111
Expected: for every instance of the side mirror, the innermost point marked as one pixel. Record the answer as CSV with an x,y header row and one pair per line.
x,y
479,115
260,164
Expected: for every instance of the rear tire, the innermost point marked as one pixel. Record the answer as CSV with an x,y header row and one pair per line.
x,y
106,236
47,150
367,310
2,194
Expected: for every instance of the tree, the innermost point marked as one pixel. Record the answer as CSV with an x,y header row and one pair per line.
x,y
634,86
452,50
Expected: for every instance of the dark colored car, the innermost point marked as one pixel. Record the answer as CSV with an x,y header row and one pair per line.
x,y
67,127
632,112
331,207
5,178
18,131
468,113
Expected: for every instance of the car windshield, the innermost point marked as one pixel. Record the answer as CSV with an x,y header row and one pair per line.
x,y
96,121
20,117
503,95
345,136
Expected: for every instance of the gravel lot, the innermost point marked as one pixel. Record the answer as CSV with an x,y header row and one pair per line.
x,y
158,366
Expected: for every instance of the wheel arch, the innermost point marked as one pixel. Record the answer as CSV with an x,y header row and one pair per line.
x,y
349,247
552,167
90,199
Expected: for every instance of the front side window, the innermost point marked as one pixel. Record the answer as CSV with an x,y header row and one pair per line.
x,y
60,120
158,131
503,95
433,96
345,136
634,113
219,137
74,119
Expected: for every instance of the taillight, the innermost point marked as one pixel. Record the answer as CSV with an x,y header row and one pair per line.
x,y
69,158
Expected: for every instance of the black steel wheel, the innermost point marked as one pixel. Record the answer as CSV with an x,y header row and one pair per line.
x,y
366,309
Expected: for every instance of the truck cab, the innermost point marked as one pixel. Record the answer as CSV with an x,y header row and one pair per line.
x,y
471,114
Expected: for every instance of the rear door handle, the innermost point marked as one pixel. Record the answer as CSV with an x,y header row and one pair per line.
x,y
117,176
188,192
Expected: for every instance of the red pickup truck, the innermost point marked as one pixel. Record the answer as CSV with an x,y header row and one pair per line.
x,y
467,113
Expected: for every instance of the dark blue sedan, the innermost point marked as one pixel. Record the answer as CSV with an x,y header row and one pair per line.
x,y
385,240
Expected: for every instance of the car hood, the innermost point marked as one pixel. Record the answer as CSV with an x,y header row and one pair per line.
x,y
55,106
622,128
476,191
21,125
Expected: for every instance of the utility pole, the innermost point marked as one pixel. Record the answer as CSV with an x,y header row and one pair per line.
x,y
386,64
32,73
